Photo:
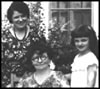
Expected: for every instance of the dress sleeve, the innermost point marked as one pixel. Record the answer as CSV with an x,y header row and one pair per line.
x,y
22,81
63,79
26,81
20,84
92,60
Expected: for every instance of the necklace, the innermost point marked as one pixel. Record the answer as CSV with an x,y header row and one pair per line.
x,y
22,38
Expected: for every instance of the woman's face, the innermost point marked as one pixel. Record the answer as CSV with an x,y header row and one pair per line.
x,y
19,20
40,61
82,43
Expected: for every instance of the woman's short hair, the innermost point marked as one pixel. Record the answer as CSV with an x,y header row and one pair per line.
x,y
86,31
41,48
17,6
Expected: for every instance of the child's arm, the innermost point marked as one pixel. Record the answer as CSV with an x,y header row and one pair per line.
x,y
91,75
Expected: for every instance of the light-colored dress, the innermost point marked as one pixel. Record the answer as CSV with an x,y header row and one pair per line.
x,y
55,79
79,69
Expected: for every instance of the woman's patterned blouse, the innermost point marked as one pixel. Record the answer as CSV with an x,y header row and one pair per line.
x,y
13,51
56,79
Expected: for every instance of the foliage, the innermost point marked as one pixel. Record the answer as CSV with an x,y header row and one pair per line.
x,y
36,17
60,41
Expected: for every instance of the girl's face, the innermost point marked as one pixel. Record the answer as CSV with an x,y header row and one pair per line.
x,y
82,43
19,20
40,61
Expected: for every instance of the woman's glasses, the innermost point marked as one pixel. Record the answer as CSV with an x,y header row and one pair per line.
x,y
39,58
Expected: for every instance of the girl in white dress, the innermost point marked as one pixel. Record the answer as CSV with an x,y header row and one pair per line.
x,y
85,64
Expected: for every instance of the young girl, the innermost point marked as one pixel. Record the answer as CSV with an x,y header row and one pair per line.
x,y
85,64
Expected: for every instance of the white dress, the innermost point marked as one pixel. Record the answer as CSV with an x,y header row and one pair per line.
x,y
79,69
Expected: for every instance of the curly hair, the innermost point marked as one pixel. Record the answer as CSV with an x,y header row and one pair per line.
x,y
41,47
17,6
86,31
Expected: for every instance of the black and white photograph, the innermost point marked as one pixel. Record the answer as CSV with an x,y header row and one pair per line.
x,y
50,44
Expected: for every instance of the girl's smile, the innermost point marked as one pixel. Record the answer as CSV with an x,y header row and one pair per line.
x,y
82,43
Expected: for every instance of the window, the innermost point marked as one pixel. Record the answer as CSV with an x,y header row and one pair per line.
x,y
72,13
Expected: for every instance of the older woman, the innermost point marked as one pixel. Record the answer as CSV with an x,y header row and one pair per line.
x,y
16,40
40,74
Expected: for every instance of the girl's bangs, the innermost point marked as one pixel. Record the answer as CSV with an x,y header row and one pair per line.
x,y
81,35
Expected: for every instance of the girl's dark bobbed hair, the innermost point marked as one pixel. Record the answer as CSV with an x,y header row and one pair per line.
x,y
86,31
83,31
